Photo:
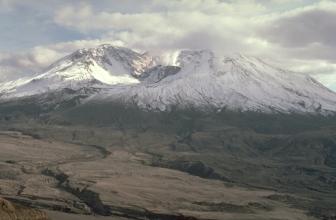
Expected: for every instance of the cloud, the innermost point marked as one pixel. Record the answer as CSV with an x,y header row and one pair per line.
x,y
298,33
33,61
316,25
169,24
247,26
8,4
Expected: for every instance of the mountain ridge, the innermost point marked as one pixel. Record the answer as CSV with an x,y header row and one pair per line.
x,y
199,78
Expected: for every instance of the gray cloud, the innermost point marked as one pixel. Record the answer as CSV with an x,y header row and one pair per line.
x,y
306,33
316,26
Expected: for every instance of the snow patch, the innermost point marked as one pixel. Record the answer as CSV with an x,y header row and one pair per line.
x,y
106,77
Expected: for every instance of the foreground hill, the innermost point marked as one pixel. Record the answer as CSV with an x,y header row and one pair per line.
x,y
10,211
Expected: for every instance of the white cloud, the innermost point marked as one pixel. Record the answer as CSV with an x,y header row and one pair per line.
x,y
15,65
170,24
298,36
245,26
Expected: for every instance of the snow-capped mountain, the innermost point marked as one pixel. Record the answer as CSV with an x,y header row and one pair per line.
x,y
199,78
95,67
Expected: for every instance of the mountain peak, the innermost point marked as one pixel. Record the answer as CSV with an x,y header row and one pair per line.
x,y
186,77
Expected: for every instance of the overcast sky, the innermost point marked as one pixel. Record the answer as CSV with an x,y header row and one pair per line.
x,y
297,34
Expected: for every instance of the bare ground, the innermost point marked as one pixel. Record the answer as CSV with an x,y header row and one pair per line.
x,y
72,178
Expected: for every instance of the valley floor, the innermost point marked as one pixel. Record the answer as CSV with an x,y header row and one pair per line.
x,y
120,182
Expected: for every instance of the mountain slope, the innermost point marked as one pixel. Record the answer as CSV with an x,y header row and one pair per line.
x,y
198,78
96,67
235,83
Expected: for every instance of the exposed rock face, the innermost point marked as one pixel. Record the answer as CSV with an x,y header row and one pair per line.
x,y
10,211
